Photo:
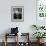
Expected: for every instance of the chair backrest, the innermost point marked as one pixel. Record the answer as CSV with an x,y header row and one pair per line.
x,y
24,37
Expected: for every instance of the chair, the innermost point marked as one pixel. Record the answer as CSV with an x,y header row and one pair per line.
x,y
14,32
26,41
7,35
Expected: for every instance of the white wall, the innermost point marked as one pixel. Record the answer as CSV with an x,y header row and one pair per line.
x,y
29,15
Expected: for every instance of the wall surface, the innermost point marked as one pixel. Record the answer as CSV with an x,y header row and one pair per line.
x,y
29,15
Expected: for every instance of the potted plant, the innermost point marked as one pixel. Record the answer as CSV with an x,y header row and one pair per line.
x,y
39,35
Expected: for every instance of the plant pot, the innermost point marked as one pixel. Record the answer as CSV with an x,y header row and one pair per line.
x,y
40,40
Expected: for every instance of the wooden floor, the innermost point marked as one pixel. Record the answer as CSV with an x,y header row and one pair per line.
x,y
13,44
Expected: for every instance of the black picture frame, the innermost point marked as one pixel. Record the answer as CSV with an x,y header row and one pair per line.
x,y
17,13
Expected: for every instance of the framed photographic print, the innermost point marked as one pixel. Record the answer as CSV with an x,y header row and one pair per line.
x,y
17,13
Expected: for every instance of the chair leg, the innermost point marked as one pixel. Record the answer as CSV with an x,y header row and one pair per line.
x,y
5,40
5,43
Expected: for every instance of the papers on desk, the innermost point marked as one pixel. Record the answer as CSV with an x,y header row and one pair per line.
x,y
11,34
